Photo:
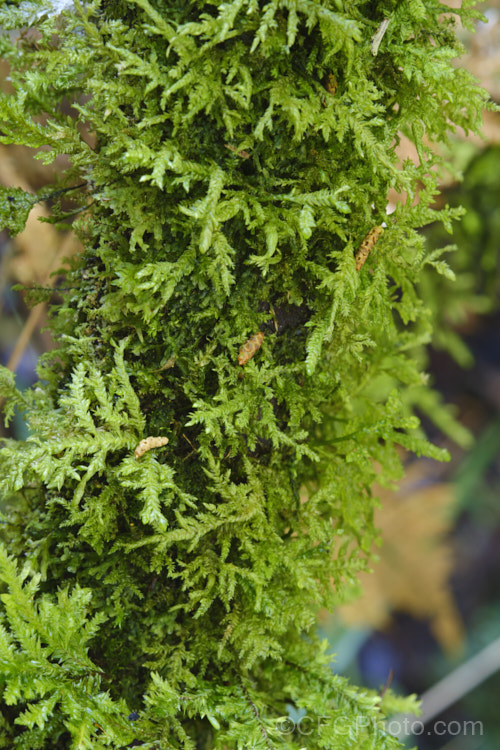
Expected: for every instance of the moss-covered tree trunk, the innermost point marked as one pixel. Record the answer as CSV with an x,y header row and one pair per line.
x,y
237,360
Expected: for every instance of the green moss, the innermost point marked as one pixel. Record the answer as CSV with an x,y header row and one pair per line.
x,y
227,193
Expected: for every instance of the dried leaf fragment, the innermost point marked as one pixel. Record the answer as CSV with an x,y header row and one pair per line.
x,y
169,363
243,154
379,35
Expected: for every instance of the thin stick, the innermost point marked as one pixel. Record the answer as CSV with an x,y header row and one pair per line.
x,y
461,681
451,689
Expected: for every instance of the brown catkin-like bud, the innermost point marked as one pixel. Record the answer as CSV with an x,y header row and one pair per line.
x,y
365,247
250,347
148,443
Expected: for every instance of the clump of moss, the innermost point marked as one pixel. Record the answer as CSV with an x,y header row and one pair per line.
x,y
235,156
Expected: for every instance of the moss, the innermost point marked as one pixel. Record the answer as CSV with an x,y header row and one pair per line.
x,y
228,191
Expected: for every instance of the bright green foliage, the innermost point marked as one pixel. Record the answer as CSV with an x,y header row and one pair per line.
x,y
227,191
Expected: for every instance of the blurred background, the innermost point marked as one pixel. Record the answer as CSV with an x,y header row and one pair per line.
x,y
428,621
